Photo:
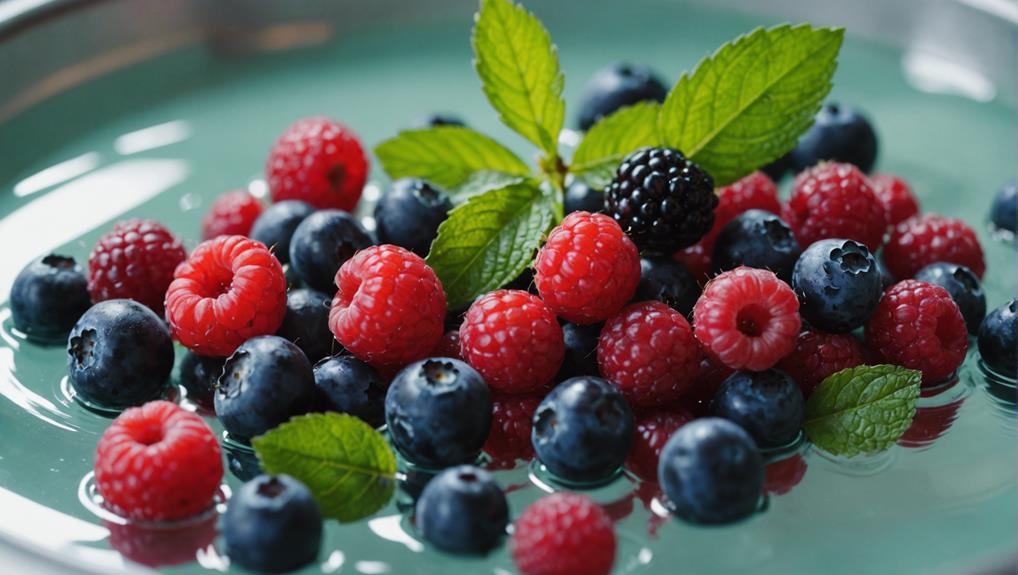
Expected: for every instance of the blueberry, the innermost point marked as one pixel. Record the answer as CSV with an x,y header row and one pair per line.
x,y
998,344
838,285
767,404
463,510
1004,212
616,86
435,120
758,239
779,168
275,226
272,525
199,374
580,197
886,279
322,243
964,288
48,296
839,133
711,472
581,350
119,354
439,412
666,280
243,463
348,385
582,430
306,323
264,383
409,214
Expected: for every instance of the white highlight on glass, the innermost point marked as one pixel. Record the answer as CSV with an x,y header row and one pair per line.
x,y
372,567
258,188
936,74
334,562
57,174
390,528
152,137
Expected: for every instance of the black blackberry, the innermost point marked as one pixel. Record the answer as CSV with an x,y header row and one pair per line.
x,y
663,201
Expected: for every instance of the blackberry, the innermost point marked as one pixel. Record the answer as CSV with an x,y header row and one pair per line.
x,y
662,201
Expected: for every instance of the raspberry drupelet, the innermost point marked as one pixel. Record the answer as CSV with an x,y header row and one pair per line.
x,y
135,260
897,197
818,355
563,534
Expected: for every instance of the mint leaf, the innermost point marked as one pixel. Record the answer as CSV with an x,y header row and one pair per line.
x,y
747,104
862,409
489,240
480,182
519,71
348,466
611,139
446,155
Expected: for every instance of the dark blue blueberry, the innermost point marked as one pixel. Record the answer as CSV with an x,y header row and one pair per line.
x,y
119,354
272,525
198,375
243,463
758,239
1004,212
711,472
275,226
580,197
435,120
581,350
264,383
322,243
666,280
408,215
767,404
582,430
838,285
306,323
616,86
998,344
438,412
964,287
781,167
886,279
48,296
463,510
348,385
839,133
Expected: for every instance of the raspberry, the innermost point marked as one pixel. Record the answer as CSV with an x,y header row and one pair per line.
x,y
818,355
920,241
513,340
511,420
319,161
696,258
448,346
747,319
563,534
390,308
897,197
230,290
588,269
231,214
653,429
134,260
782,475
917,325
835,200
158,462
648,351
753,192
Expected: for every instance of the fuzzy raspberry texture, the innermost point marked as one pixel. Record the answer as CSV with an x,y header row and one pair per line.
x,y
588,269
318,161
648,351
833,200
563,534
231,214
917,325
747,319
449,345
897,197
134,260
920,241
158,462
511,420
230,290
818,355
389,309
697,260
653,428
513,340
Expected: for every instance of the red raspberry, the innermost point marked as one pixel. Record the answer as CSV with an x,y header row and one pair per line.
x,y
158,462
162,546
833,200
897,197
782,475
134,260
231,214
449,345
648,351
319,161
563,534
511,419
917,325
696,258
230,290
513,340
920,241
747,319
929,424
653,428
818,355
390,308
753,192
588,269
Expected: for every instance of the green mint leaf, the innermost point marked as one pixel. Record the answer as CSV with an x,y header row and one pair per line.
x,y
611,139
489,240
348,466
862,409
747,104
519,71
480,182
446,155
